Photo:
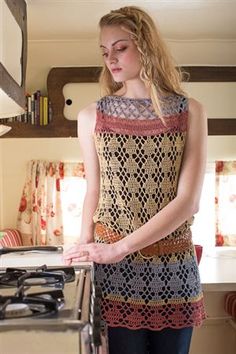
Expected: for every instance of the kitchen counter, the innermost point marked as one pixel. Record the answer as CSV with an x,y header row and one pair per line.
x,y
218,269
217,335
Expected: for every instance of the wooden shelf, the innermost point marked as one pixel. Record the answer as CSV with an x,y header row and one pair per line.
x,y
62,127
52,130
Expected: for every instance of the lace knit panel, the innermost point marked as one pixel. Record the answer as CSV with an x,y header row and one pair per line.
x,y
139,177
153,294
132,108
140,160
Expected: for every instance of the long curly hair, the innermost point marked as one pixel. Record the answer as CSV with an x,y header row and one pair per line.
x,y
158,72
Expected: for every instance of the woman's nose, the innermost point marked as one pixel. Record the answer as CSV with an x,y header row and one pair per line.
x,y
112,58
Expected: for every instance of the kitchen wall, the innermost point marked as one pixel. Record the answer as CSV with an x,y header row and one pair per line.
x,y
42,55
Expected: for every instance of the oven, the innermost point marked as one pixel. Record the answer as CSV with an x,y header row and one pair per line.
x,y
50,309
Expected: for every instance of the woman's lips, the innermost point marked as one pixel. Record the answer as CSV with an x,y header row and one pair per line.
x,y
116,70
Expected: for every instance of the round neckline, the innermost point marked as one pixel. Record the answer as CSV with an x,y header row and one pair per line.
x,y
130,98
138,99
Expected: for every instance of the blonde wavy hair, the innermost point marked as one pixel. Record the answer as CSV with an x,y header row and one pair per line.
x,y
158,72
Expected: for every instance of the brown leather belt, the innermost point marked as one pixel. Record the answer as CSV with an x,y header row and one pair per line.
x,y
160,248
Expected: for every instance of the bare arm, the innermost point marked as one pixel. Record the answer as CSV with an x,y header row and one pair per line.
x,y
86,125
186,203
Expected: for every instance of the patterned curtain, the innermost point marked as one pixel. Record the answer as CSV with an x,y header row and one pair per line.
x,y
51,193
225,203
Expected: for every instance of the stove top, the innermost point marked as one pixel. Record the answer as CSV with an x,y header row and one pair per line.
x,y
36,292
46,299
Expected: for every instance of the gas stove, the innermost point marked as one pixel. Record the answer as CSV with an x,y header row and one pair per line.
x,y
49,310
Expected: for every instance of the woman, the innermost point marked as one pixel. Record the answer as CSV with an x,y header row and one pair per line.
x,y
144,150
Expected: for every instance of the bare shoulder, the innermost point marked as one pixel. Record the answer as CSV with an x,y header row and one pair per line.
x,y
197,117
195,107
87,117
88,112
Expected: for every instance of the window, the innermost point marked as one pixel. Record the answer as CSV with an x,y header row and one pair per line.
x,y
203,228
215,223
72,196
51,202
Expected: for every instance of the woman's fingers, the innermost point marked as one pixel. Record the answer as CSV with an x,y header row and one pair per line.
x,y
77,253
92,252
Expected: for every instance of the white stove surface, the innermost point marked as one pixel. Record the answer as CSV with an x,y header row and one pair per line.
x,y
35,259
28,259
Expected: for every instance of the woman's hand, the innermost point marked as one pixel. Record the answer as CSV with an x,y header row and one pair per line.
x,y
93,252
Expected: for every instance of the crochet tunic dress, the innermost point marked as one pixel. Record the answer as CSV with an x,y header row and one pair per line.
x,y
140,160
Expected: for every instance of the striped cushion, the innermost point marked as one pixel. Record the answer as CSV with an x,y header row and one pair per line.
x,y
10,238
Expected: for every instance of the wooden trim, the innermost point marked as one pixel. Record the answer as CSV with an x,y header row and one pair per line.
x,y
210,73
222,126
7,83
58,77
11,87
19,11
216,126
62,127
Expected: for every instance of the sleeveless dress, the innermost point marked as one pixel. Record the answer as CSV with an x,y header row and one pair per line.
x,y
140,160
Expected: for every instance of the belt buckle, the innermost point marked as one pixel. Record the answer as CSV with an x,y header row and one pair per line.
x,y
149,251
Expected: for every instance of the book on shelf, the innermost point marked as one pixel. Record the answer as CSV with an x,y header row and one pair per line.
x,y
49,112
45,110
41,109
28,107
32,102
37,110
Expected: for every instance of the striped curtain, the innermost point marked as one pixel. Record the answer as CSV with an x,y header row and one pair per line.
x,y
51,202
225,203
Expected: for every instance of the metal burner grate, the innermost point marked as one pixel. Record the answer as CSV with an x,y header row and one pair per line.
x,y
15,277
38,304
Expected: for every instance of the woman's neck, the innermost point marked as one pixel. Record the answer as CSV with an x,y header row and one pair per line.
x,y
135,89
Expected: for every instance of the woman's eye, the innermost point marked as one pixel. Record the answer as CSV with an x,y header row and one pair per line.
x,y
116,50
122,49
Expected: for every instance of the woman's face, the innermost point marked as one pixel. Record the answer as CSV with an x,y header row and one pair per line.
x,y
120,53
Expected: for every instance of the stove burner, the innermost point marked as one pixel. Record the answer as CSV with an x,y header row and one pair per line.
x,y
41,276
17,310
38,304
25,302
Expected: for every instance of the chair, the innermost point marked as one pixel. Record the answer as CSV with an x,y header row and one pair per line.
x,y
10,238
